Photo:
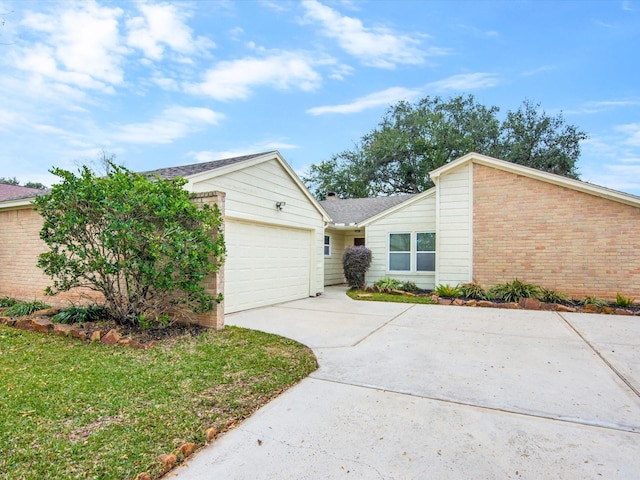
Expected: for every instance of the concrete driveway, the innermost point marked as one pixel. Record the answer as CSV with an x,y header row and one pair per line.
x,y
441,392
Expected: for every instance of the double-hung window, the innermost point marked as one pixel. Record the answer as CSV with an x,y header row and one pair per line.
x,y
327,245
412,252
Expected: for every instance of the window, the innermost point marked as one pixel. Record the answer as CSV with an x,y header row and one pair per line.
x,y
425,252
412,252
400,252
327,245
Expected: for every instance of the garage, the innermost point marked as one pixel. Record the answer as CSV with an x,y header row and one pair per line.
x,y
265,264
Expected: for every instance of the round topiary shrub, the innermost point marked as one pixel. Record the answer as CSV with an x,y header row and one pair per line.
x,y
355,263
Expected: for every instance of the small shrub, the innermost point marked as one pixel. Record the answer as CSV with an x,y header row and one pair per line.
x,y
21,309
448,291
595,301
622,301
553,296
408,286
514,291
473,290
355,263
7,302
387,283
75,314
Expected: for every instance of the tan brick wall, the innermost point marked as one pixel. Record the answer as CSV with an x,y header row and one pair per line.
x,y
20,278
558,238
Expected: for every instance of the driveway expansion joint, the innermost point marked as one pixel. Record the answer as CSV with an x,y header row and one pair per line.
x,y
600,356
376,330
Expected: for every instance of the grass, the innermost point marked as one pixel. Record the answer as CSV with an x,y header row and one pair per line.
x,y
77,410
387,297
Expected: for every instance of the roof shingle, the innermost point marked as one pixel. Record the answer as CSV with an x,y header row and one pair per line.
x,y
15,192
355,210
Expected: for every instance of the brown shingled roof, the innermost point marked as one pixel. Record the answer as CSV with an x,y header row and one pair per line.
x,y
355,210
195,168
15,192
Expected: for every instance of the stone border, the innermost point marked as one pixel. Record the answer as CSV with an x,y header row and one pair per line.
x,y
39,322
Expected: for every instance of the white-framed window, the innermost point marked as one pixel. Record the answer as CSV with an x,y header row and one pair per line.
x,y
400,252
412,252
425,252
327,245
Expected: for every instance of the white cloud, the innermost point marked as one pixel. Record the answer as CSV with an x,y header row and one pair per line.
x,y
464,82
171,124
535,71
632,131
211,155
234,79
375,47
163,25
384,97
82,45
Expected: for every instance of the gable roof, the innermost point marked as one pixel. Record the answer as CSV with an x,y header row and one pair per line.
x,y
15,192
186,171
536,174
356,210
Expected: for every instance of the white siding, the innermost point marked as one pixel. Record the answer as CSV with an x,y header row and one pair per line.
x,y
251,195
333,274
454,235
417,217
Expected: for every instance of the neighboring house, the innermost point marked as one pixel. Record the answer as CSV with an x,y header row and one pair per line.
x,y
15,192
273,232
492,221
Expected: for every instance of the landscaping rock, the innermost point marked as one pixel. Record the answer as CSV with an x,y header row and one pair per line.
x,y
23,324
591,308
565,308
607,310
143,476
435,298
7,321
125,341
549,307
485,303
42,325
409,294
471,303
397,292
136,344
365,295
81,334
112,336
211,433
622,311
95,336
47,312
459,302
62,329
444,301
167,460
187,449
530,303
509,305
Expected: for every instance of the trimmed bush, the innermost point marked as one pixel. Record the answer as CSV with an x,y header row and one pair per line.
x,y
408,286
387,283
355,263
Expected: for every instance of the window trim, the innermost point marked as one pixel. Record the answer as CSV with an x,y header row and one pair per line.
x,y
413,253
327,246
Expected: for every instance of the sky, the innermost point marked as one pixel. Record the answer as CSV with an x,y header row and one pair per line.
x,y
166,83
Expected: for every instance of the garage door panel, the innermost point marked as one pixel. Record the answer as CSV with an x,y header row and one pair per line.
x,y
265,265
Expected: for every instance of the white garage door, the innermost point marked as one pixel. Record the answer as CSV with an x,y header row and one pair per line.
x,y
265,265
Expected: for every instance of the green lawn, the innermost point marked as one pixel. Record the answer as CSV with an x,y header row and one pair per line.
x,y
387,297
69,409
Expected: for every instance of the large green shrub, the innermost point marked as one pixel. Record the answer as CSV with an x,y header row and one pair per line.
x,y
141,243
355,263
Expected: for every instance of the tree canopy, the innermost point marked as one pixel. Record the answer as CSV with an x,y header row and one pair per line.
x,y
413,139
15,181
141,243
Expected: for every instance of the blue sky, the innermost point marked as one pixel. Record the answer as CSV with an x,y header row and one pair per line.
x,y
170,83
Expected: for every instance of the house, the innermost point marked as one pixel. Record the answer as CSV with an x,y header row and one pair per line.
x,y
492,221
273,231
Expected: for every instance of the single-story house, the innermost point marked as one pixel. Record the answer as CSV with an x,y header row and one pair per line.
x,y
485,220
492,221
273,231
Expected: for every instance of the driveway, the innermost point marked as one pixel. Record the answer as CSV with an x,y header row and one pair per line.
x,y
441,392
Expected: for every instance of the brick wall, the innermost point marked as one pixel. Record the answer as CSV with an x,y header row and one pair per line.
x,y
552,236
20,246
